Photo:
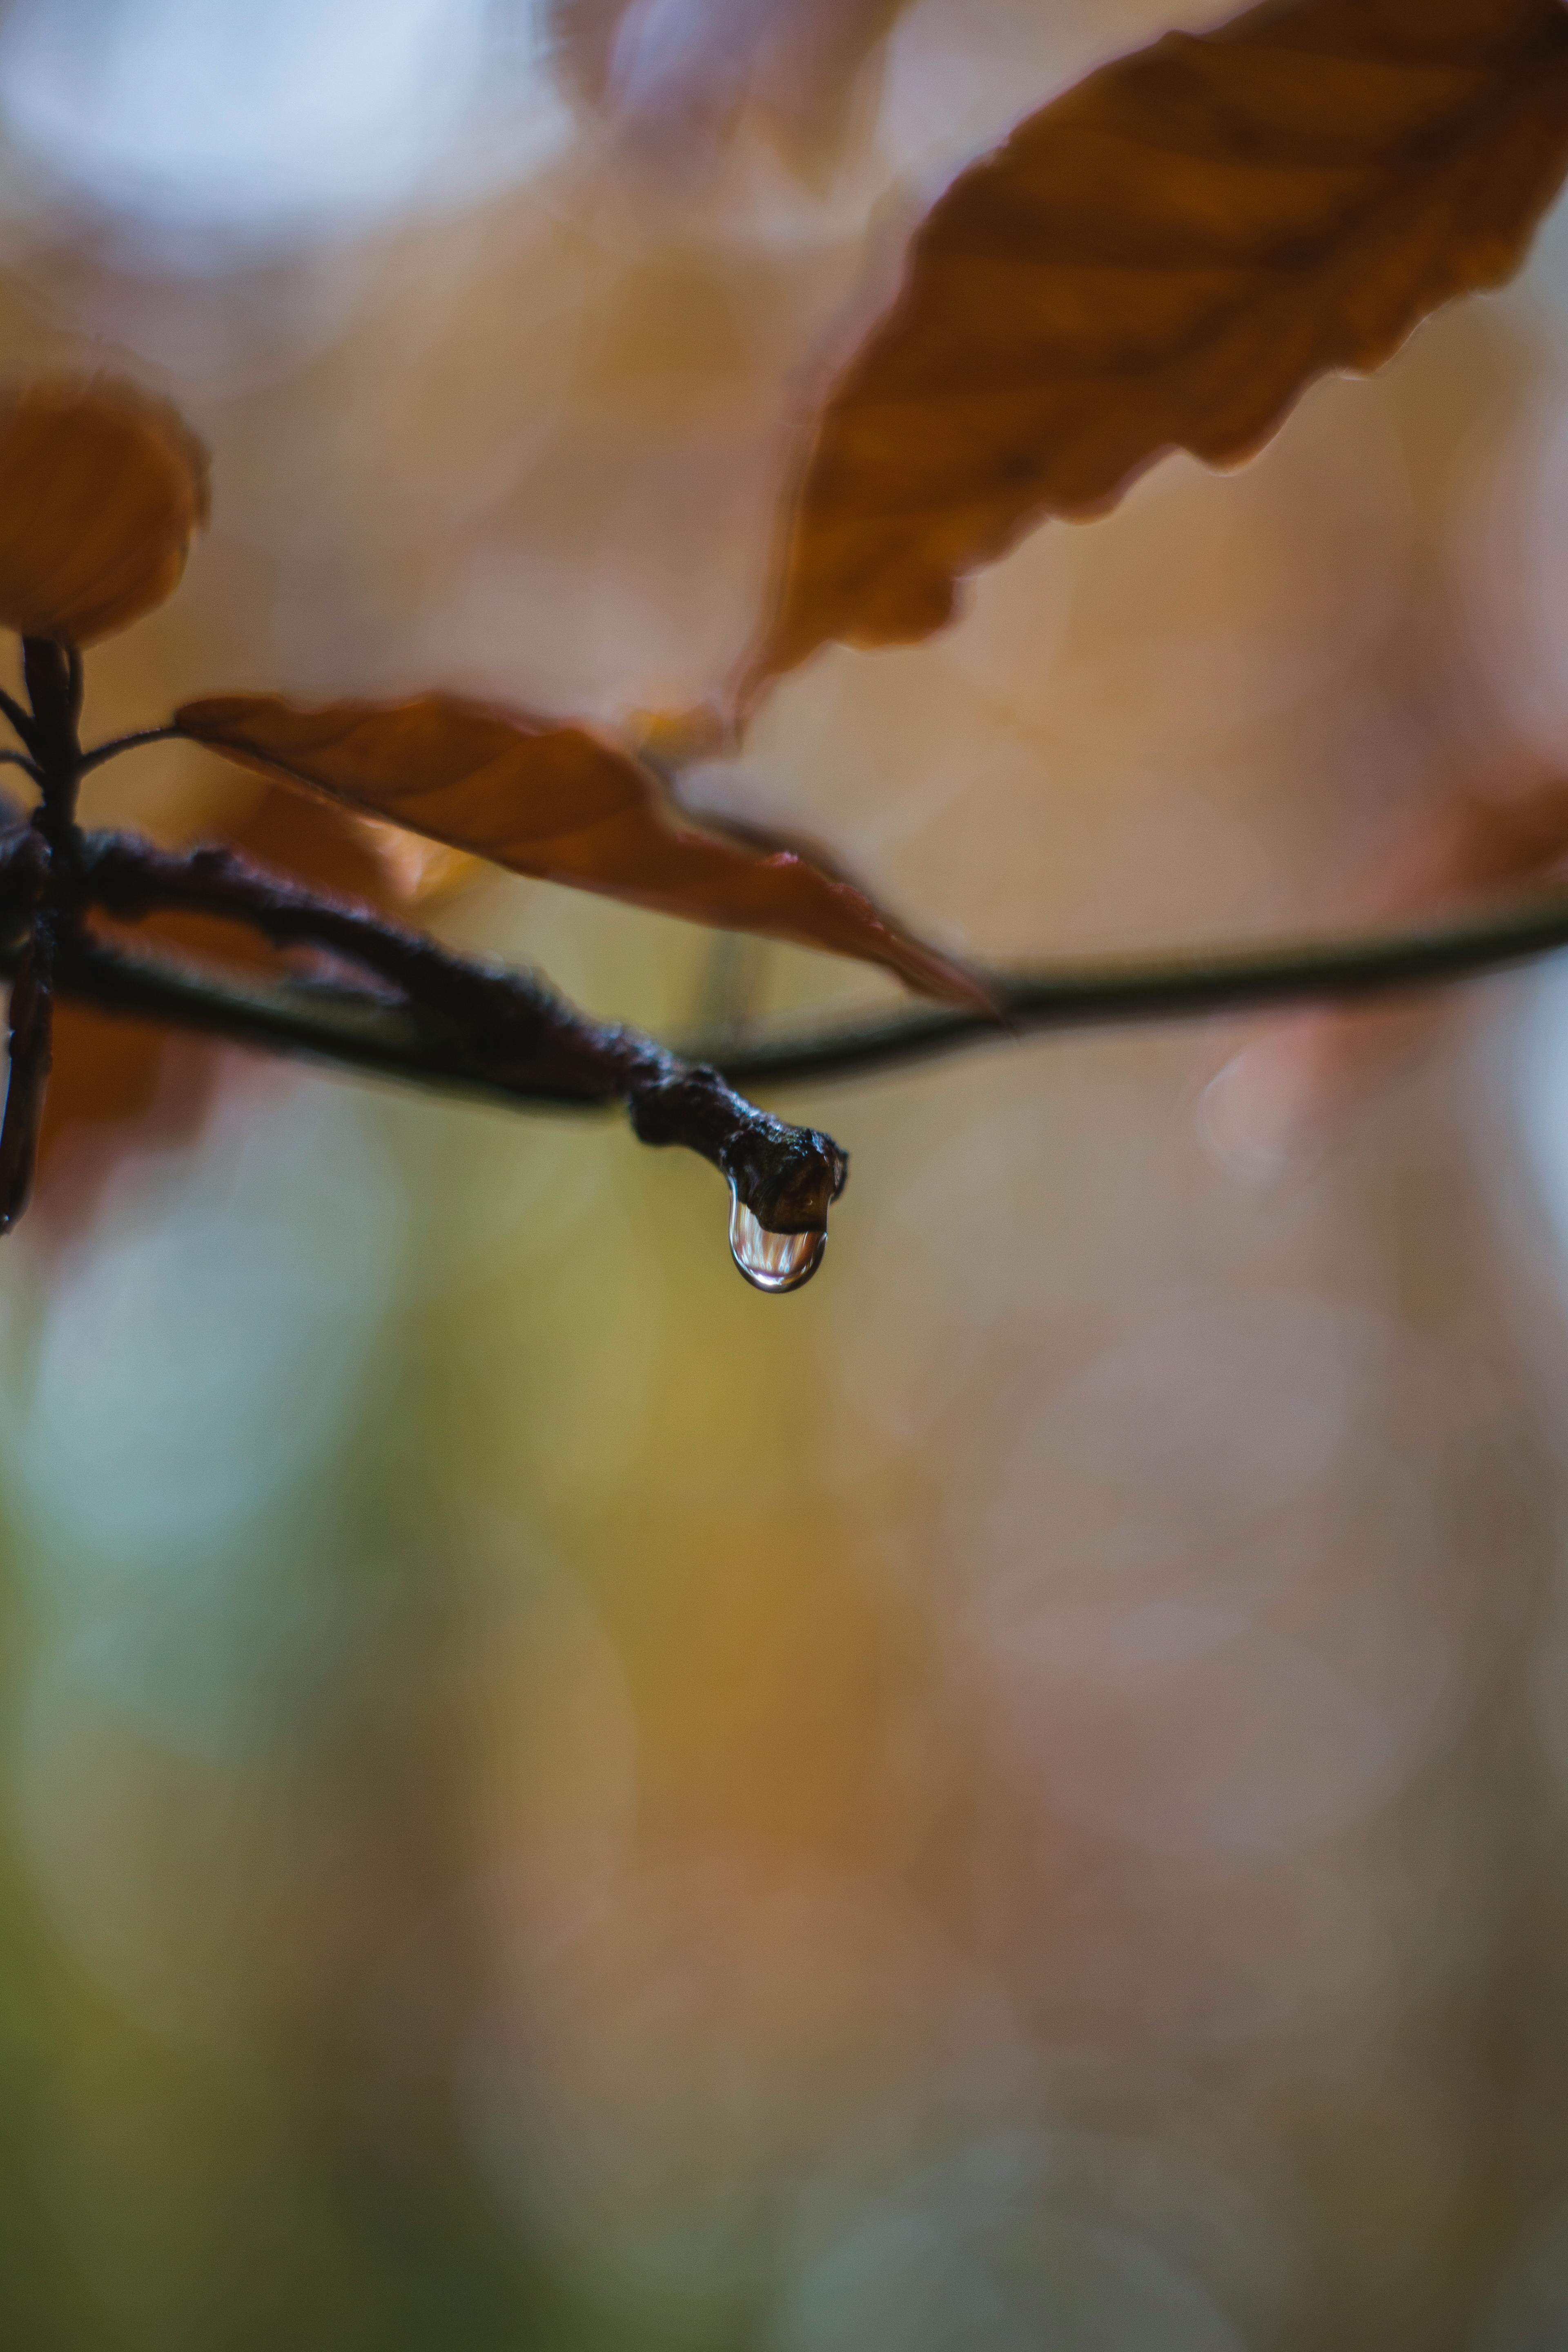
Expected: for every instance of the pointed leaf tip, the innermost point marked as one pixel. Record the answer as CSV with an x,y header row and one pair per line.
x,y
102,487
562,803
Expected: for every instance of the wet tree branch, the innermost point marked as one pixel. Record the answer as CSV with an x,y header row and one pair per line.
x,y
472,1026
1354,968
464,1022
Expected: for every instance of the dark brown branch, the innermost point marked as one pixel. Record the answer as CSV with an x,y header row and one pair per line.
x,y
127,876
38,860
53,677
19,718
479,1028
1355,969
31,1024
367,1031
484,1020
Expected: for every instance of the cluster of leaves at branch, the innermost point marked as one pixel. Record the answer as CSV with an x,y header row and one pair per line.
x,y
1162,259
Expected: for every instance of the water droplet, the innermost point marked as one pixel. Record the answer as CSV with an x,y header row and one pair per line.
x,y
772,1261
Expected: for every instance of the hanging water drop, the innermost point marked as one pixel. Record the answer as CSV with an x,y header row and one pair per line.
x,y
772,1261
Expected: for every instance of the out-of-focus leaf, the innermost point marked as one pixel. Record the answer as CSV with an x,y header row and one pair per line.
x,y
565,805
1164,259
115,1082
102,489
671,70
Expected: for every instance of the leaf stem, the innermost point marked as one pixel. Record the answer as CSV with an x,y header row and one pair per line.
x,y
101,752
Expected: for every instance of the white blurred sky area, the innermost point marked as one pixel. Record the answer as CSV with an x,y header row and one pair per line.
x,y
256,120
193,127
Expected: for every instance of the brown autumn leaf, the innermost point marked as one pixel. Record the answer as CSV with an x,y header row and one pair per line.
x,y
565,805
1164,259
102,489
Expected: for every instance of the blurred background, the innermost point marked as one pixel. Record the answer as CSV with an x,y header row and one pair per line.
x,y
1015,1799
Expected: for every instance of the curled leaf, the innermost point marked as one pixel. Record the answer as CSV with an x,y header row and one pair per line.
x,y
564,803
1164,259
102,489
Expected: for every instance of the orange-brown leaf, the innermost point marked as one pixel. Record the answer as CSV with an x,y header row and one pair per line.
x,y
1164,259
565,805
102,489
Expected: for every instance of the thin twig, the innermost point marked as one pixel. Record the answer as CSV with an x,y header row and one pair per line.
x,y
20,717
1353,968
119,743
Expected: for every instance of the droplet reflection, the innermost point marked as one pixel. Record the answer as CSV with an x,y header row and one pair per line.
x,y
772,1261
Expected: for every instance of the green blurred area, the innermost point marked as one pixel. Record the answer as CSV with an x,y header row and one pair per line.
x,y
1014,1799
